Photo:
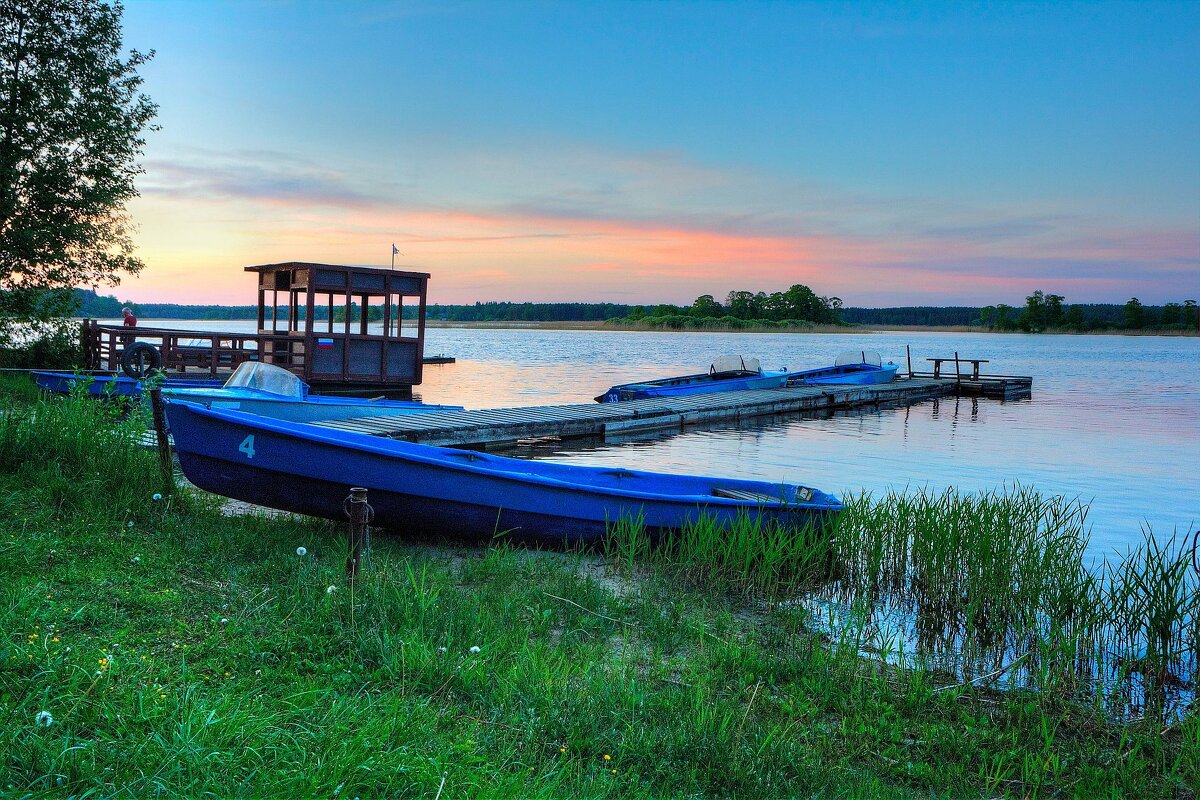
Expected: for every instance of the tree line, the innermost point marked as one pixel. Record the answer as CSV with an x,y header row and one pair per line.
x,y
1045,311
798,306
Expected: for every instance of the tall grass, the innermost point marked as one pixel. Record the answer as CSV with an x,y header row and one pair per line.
x,y
80,451
990,585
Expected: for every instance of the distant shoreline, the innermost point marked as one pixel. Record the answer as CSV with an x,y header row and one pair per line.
x,y
601,325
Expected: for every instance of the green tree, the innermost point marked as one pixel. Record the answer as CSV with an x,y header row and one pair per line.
x,y
71,124
742,305
1135,316
706,306
1054,310
1033,318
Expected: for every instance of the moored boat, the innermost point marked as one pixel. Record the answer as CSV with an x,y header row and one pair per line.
x,y
272,391
726,374
108,384
858,367
308,470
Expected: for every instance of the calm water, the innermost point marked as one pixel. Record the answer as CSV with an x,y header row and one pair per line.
x,y
1114,421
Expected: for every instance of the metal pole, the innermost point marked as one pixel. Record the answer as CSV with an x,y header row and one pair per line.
x,y
360,514
164,444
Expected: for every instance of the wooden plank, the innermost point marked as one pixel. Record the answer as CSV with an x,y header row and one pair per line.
x,y
481,426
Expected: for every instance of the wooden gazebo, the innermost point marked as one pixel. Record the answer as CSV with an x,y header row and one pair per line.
x,y
347,347
361,341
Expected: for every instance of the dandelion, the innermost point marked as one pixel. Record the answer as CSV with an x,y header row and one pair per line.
x,y
607,757
562,749
301,551
156,497
224,620
474,649
44,719
614,772
330,589
441,651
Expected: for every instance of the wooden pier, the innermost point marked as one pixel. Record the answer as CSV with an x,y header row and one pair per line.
x,y
504,427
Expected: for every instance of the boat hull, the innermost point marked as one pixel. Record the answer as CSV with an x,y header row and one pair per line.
x,y
852,374
693,384
413,487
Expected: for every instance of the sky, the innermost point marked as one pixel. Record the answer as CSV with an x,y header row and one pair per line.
x,y
907,153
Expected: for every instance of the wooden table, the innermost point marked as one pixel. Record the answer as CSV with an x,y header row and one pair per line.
x,y
975,362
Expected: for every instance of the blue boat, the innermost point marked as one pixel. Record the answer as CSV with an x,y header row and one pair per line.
x,y
108,384
726,374
307,469
272,391
856,367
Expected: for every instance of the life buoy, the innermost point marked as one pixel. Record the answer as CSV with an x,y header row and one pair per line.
x,y
139,358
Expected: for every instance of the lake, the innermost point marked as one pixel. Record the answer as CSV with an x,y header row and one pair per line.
x,y
1113,421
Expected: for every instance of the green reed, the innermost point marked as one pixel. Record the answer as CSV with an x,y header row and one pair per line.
x,y
746,556
993,583
1002,579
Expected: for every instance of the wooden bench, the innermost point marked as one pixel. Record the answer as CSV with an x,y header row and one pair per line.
x,y
975,362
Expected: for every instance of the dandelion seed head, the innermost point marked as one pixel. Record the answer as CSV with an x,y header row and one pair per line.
x,y
301,551
156,497
44,719
224,620
474,649
129,524
441,651
330,589
135,560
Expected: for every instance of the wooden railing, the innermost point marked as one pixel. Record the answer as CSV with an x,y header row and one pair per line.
x,y
189,351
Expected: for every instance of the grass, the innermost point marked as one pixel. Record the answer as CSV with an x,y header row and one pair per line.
x,y
183,652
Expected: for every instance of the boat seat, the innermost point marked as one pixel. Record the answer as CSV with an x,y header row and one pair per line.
x,y
745,494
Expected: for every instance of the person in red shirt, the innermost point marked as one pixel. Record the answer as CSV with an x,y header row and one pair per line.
x,y
130,319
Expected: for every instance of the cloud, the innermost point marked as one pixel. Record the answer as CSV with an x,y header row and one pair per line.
x,y
255,176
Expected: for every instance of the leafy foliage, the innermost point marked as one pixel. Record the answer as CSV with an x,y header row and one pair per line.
x,y
71,123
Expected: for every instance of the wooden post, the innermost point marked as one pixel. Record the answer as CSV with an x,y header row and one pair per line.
x,y
360,514
957,374
164,444
908,349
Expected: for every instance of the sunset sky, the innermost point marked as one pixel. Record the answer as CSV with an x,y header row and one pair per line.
x,y
886,153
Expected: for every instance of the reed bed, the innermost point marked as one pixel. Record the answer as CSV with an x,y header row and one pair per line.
x,y
994,585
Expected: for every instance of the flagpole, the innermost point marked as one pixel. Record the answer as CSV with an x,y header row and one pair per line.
x,y
393,256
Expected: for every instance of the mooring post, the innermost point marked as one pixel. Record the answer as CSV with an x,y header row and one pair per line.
x,y
957,374
908,350
164,444
360,514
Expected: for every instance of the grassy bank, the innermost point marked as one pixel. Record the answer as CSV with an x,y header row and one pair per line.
x,y
180,651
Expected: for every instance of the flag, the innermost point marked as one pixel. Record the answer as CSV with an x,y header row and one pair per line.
x,y
395,250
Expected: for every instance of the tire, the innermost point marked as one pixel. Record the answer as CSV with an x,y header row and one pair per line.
x,y
139,359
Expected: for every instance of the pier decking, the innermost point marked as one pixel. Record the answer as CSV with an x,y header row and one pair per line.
x,y
499,427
